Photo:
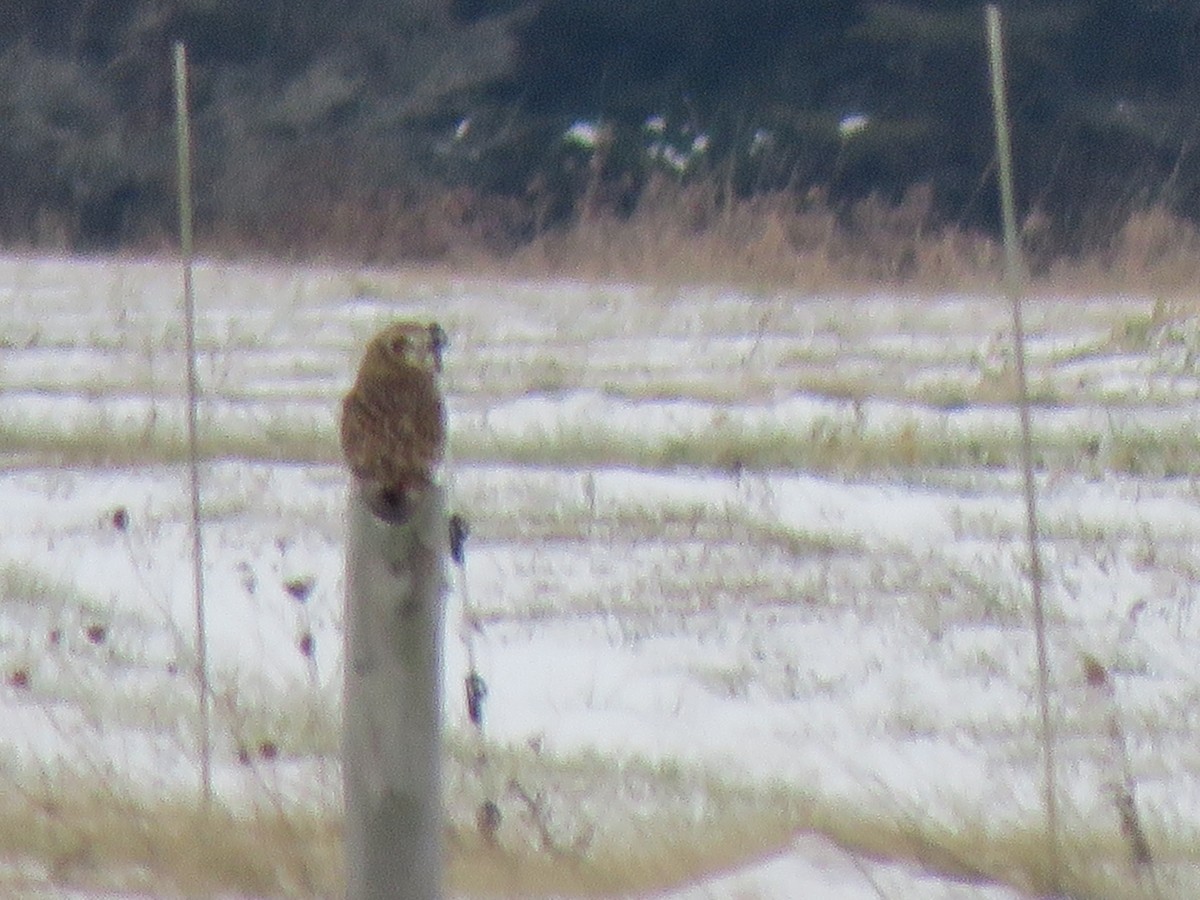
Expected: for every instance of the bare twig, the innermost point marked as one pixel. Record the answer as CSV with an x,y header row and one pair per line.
x,y
539,817
1121,781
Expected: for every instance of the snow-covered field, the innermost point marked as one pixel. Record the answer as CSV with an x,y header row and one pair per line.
x,y
748,575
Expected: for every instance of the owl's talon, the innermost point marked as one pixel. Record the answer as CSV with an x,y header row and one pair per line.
x,y
388,504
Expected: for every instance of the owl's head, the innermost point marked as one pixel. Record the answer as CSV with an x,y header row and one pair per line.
x,y
411,345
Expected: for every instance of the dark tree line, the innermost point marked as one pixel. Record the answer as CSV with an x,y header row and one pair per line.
x,y
421,100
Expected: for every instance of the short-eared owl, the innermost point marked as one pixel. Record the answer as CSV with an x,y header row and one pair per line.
x,y
393,423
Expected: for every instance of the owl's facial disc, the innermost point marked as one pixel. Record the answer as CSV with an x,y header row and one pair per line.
x,y
410,344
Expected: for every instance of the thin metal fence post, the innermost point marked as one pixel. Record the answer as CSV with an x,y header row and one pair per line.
x,y
183,142
1014,278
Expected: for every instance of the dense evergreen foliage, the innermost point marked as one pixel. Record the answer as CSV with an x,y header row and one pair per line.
x,y
473,100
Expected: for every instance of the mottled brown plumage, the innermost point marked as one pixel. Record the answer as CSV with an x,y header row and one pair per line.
x,y
393,423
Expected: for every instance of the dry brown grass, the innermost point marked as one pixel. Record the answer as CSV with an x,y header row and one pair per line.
x,y
79,834
683,234
75,834
680,233
1156,252
687,233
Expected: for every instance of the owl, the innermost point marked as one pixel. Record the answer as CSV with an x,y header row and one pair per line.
x,y
393,426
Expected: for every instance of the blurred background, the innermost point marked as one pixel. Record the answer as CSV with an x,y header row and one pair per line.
x,y
451,130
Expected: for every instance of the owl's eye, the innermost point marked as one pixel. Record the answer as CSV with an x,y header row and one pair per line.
x,y
399,345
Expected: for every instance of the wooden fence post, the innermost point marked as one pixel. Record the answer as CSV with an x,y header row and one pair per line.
x,y
391,731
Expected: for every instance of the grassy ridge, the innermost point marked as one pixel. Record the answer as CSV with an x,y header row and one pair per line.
x,y
825,444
